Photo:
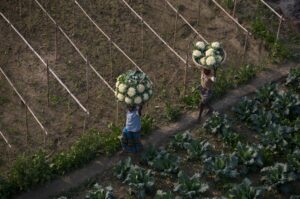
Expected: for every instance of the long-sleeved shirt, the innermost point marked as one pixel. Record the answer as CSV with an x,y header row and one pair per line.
x,y
133,121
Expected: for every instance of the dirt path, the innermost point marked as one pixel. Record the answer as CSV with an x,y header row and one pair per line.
x,y
158,138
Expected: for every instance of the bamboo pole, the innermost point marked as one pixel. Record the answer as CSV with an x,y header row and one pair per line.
x,y
48,85
87,79
26,123
55,43
154,32
111,60
23,101
245,47
107,37
234,8
76,48
20,9
175,28
5,139
185,70
199,13
73,34
279,28
142,38
117,113
232,18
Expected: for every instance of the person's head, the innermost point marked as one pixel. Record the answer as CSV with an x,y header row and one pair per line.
x,y
206,71
130,108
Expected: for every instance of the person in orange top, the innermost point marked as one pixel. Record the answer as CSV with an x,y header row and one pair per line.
x,y
207,80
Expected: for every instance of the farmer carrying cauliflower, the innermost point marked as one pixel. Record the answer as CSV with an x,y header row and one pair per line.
x,y
134,88
131,135
207,80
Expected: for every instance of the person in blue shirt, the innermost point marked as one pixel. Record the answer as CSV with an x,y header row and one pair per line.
x,y
131,135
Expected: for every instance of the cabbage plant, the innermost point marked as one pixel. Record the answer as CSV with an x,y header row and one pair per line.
x,y
199,150
190,187
248,155
164,195
245,191
98,192
122,168
278,174
140,181
222,166
180,141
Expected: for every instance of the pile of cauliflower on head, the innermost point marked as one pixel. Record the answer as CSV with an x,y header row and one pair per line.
x,y
133,88
208,55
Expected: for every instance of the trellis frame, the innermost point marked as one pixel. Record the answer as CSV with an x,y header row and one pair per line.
x,y
107,37
45,64
25,103
155,33
74,46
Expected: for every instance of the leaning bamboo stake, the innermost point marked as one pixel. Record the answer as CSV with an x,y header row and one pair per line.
x,y
117,113
245,47
109,38
199,13
48,85
45,64
55,43
278,30
154,32
111,60
23,101
186,21
142,38
74,46
20,9
232,18
26,124
276,13
87,79
4,138
175,28
234,8
185,70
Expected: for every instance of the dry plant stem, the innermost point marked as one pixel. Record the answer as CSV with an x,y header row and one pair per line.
x,y
245,47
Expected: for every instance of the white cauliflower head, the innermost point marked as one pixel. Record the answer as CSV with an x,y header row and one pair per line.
x,y
216,45
200,45
210,61
138,100
120,97
122,88
131,92
197,53
140,88
128,100
210,52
